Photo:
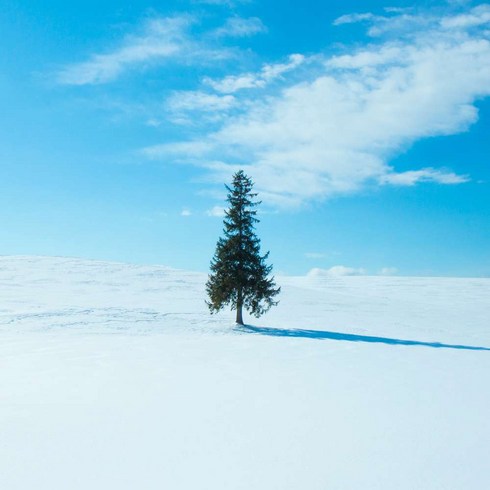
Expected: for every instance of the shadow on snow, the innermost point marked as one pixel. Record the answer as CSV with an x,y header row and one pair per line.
x,y
348,337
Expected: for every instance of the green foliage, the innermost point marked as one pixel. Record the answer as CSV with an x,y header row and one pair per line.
x,y
239,274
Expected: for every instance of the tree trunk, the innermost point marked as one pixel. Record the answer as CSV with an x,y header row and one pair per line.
x,y
239,318
239,304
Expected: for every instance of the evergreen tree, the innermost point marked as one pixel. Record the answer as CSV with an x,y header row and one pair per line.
x,y
239,274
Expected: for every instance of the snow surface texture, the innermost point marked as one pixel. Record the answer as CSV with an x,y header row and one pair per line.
x,y
114,376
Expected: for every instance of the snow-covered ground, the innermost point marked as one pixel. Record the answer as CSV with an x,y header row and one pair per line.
x,y
114,376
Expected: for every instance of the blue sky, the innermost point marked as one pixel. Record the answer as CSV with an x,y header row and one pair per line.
x,y
364,125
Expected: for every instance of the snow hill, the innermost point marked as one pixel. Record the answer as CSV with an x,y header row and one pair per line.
x,y
115,376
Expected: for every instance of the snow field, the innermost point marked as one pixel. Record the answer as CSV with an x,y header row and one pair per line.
x,y
115,376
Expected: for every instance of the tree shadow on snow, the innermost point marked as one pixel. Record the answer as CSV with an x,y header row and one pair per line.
x,y
348,337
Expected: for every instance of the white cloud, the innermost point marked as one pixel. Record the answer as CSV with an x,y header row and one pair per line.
x,y
241,27
160,39
398,10
199,101
268,73
477,16
353,18
398,21
216,211
413,177
388,271
369,58
342,271
402,25
186,212
337,271
338,128
274,70
233,83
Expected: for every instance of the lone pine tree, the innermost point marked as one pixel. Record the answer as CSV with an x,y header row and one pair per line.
x,y
239,275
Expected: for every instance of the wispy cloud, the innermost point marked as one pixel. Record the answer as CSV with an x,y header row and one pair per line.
x,y
160,39
354,18
399,21
241,27
337,271
477,16
210,105
336,128
388,271
157,41
413,177
184,100
267,74
343,271
216,212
